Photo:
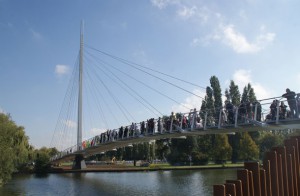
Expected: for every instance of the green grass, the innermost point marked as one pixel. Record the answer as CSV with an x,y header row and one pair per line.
x,y
211,165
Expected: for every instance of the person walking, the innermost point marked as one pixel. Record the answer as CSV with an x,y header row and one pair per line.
x,y
290,96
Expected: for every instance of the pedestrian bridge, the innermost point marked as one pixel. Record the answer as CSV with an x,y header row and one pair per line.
x,y
259,118
262,115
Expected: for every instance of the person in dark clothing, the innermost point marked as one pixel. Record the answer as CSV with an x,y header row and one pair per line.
x,y
290,96
282,110
230,111
273,108
242,111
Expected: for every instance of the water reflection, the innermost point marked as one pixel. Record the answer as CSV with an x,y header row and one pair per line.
x,y
183,182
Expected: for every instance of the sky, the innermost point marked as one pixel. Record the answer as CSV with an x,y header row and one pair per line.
x,y
245,41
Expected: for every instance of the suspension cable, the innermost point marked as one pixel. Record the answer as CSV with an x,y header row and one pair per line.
x,y
131,64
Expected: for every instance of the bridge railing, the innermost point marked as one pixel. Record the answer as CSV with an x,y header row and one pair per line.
x,y
271,110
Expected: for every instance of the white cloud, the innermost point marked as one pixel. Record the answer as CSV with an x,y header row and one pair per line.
x,y
196,42
70,123
61,70
186,12
243,77
161,3
97,131
240,44
35,34
242,14
190,102
93,132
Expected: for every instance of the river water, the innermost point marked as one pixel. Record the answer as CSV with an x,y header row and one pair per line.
x,y
176,182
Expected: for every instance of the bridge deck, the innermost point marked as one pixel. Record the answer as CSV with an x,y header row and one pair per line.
x,y
226,129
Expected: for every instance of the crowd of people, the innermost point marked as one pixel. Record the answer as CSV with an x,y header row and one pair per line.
x,y
228,115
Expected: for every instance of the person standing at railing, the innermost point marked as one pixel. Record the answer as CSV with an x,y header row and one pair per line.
x,y
159,125
230,111
273,109
290,96
298,102
282,110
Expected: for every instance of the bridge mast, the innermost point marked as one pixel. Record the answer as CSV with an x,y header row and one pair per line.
x,y
79,162
79,125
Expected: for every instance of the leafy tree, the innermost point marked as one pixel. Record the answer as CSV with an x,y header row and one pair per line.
x,y
199,158
181,149
248,148
234,93
162,148
203,108
222,150
209,107
42,162
251,95
14,147
234,141
205,144
217,94
42,159
267,141
248,94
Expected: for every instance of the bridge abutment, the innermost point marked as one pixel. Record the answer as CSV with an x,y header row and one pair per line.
x,y
79,162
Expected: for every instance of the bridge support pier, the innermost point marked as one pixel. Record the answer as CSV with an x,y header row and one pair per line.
x,y
79,162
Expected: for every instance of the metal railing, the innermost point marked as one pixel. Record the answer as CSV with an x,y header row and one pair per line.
x,y
259,113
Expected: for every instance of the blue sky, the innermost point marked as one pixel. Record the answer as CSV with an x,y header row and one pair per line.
x,y
245,41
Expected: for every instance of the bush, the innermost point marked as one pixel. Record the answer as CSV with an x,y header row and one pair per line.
x,y
199,158
42,164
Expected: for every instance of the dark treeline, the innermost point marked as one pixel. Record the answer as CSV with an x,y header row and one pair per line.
x,y
16,154
218,148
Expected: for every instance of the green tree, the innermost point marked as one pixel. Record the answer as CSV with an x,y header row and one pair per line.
x,y
248,94
208,108
217,94
42,162
234,93
234,96
222,150
269,140
248,148
14,147
162,148
181,150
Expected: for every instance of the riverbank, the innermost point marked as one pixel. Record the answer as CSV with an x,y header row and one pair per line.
x,y
152,167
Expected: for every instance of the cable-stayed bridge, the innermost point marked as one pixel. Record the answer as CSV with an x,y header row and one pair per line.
x,y
172,127
125,76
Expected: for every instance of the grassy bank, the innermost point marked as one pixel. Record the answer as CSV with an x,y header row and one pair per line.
x,y
151,167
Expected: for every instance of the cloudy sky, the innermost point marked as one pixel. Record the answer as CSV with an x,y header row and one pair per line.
x,y
245,41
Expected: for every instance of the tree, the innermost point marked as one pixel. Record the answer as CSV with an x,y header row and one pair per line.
x,y
162,148
217,94
14,147
267,141
248,148
222,150
209,107
234,93
181,149
248,94
234,96
42,160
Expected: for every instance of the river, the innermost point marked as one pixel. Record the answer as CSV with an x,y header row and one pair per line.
x,y
176,182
